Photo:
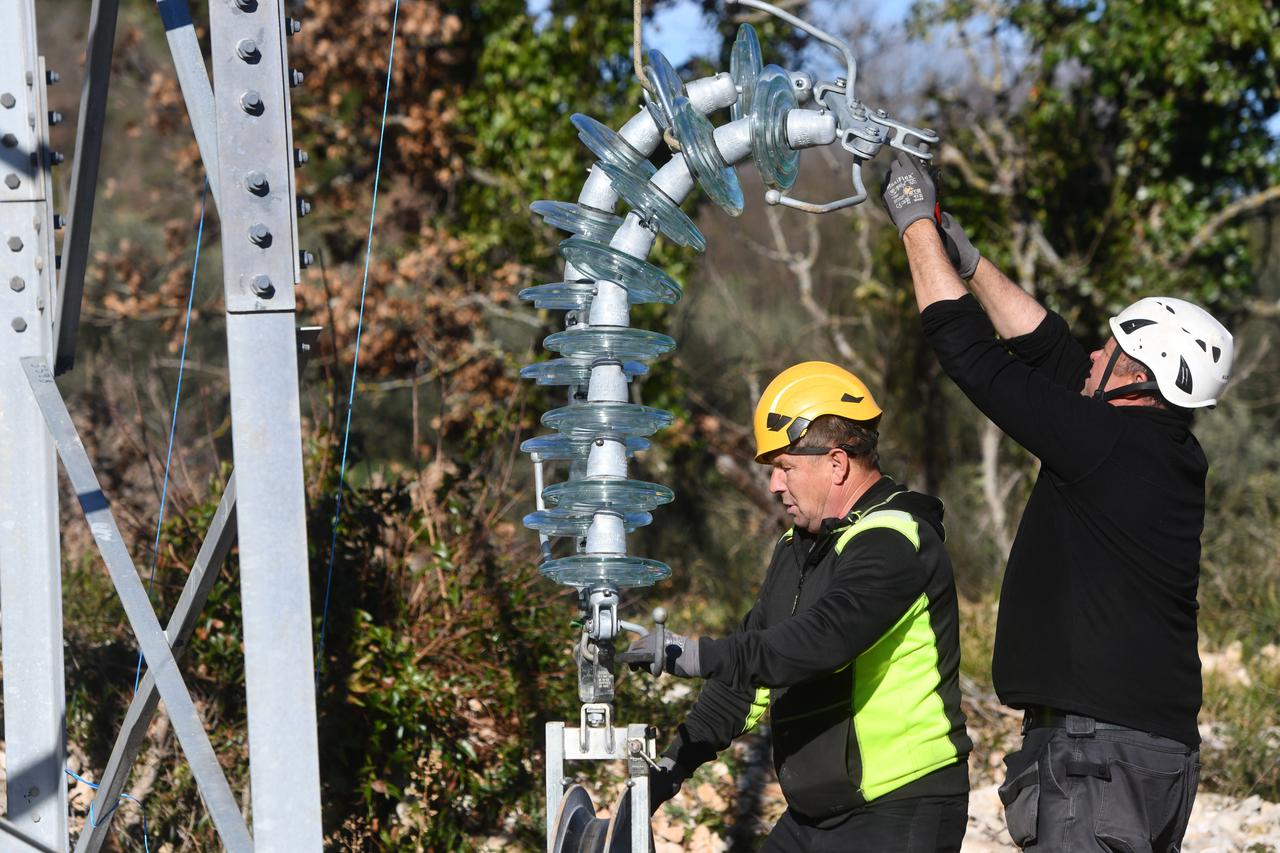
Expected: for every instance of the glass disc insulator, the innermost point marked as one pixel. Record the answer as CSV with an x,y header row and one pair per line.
x,y
589,570
698,142
644,281
557,447
622,343
666,83
616,494
581,219
609,147
560,295
655,207
555,522
589,421
745,64
774,97
572,371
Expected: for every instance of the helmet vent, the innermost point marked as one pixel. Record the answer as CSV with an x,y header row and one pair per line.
x,y
1217,354
1203,346
1184,376
849,398
1131,326
776,421
1169,308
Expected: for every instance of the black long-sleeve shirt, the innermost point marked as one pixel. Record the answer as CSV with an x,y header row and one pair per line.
x,y
1098,606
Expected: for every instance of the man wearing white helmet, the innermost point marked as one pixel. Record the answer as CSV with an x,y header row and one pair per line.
x,y
1096,635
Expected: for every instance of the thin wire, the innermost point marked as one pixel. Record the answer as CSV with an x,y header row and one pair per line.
x,y
355,363
173,419
146,845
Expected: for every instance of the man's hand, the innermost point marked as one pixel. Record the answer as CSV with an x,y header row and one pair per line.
x,y
959,250
664,782
679,654
908,192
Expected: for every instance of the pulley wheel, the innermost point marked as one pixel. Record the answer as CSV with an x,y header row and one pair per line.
x,y
578,830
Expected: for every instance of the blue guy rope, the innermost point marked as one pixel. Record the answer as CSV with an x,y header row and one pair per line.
x,y
173,420
146,844
355,363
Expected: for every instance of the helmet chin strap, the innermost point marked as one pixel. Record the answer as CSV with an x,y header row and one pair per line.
x,y
1123,390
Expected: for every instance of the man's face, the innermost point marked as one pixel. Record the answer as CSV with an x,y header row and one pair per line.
x,y
804,483
1100,359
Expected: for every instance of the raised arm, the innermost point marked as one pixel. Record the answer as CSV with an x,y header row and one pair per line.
x,y
1012,310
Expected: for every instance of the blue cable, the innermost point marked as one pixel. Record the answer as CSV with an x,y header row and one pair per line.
x,y
173,420
146,845
351,394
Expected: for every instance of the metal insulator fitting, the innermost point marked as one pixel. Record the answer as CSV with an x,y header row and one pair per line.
x,y
55,117
52,77
19,324
841,82
247,49
259,234
292,26
9,140
261,286
881,114
304,207
59,221
305,259
296,77
256,183
17,285
12,181
15,244
56,158
8,101
251,102
300,157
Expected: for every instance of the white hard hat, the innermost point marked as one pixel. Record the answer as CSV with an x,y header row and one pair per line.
x,y
1188,352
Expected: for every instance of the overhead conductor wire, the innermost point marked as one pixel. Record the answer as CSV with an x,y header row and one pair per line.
x,y
173,420
355,362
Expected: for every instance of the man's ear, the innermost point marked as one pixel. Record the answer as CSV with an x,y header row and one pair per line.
x,y
841,466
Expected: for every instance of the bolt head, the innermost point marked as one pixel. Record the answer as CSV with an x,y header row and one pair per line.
x,y
256,183
247,5
8,101
251,102
296,77
52,77
305,259
259,234
55,117
292,26
304,207
59,221
15,244
247,49
19,324
9,140
300,157
882,114
56,158
261,286
12,181
841,82
17,285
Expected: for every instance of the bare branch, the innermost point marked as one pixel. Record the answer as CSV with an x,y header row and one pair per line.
x,y
1237,208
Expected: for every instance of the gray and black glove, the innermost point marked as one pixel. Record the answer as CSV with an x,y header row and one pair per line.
x,y
664,782
909,193
679,655
959,250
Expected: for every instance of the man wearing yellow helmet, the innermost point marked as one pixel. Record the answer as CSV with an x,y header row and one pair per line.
x,y
852,645
1096,637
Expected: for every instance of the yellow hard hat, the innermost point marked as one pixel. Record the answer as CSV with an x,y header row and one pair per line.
x,y
804,392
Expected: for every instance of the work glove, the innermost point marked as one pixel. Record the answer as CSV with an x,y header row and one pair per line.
x,y
679,655
664,782
908,192
959,250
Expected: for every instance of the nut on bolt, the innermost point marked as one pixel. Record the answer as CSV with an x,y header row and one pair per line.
x,y
296,77
247,49
56,158
15,244
251,102
52,77
305,259
19,324
9,140
300,157
12,181
59,221
259,234
304,207
8,101
292,26
256,183
261,286
17,285
55,117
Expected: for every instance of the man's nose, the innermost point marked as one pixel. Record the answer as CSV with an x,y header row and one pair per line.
x,y
777,483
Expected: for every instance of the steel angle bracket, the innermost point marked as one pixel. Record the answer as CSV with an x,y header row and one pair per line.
x,y
254,155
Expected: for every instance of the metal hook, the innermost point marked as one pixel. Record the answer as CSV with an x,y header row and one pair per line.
x,y
851,61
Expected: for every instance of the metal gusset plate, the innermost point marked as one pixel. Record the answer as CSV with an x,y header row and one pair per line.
x,y
655,207
776,160
745,65
622,343
590,570
573,371
644,281
609,147
588,421
598,225
697,137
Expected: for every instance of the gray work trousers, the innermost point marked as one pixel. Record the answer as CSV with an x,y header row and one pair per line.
x,y
1078,785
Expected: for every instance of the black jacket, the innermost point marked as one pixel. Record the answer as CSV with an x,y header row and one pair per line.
x,y
1098,607
853,643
